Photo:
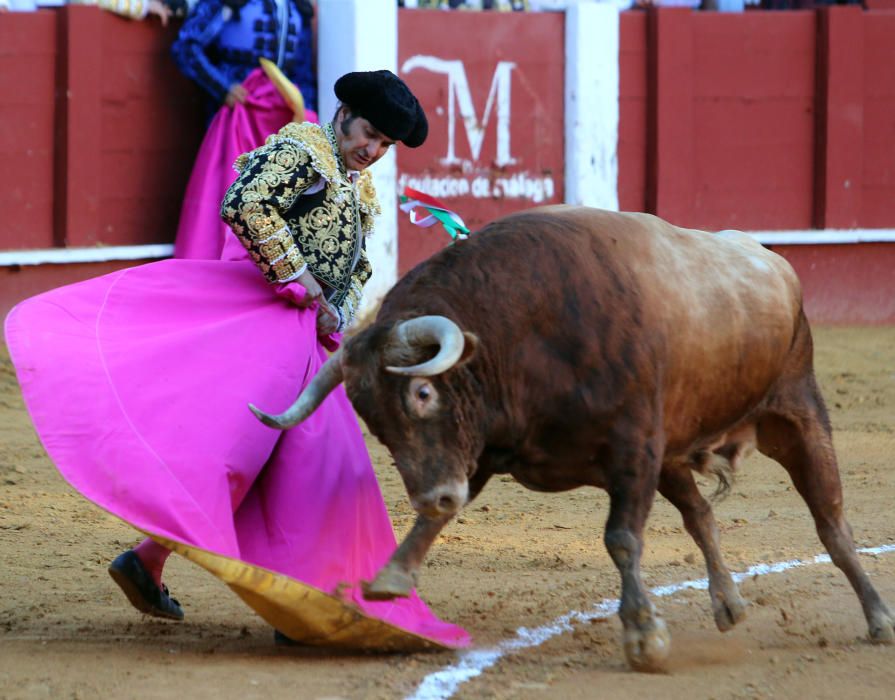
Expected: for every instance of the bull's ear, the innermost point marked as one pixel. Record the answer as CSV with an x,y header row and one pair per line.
x,y
470,347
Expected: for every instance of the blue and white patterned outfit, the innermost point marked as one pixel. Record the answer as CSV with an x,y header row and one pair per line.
x,y
221,41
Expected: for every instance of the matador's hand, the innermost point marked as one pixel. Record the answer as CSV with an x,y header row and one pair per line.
x,y
157,7
236,94
327,319
313,290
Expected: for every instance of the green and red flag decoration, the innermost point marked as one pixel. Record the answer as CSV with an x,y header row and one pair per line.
x,y
414,202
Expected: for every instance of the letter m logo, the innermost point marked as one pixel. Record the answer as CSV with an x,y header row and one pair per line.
x,y
460,100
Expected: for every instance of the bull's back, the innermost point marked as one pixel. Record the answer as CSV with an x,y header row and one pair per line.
x,y
724,309
589,303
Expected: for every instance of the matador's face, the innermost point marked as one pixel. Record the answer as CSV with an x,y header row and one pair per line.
x,y
360,143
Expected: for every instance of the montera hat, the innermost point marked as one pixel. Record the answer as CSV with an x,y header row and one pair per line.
x,y
384,100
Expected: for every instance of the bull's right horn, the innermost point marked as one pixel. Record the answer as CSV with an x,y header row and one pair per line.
x,y
327,379
430,330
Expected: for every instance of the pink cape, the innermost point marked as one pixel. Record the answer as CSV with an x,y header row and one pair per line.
x,y
232,132
138,383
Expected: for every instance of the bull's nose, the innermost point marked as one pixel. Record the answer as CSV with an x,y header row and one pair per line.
x,y
443,500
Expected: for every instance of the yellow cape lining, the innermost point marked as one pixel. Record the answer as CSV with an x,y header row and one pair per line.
x,y
300,611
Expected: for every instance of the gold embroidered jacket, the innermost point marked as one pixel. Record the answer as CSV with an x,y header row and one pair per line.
x,y
286,230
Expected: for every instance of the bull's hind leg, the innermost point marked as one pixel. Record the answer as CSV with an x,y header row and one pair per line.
x,y
632,487
796,433
676,483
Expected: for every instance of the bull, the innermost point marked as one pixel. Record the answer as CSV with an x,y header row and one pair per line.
x,y
568,347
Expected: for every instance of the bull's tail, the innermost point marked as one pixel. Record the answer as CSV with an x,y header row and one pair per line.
x,y
715,466
722,460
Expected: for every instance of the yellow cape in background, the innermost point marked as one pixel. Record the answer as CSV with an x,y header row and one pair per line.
x,y
287,89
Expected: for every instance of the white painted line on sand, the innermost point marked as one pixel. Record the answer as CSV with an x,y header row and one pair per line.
x,y
442,684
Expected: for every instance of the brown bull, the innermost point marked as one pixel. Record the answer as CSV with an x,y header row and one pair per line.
x,y
576,347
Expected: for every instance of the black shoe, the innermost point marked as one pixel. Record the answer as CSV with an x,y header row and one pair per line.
x,y
281,640
129,573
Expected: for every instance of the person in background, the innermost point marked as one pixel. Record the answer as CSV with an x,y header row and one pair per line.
x,y
17,6
644,4
560,5
219,47
132,9
180,8
726,5
221,41
501,5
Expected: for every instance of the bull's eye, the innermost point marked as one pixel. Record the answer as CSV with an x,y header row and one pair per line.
x,y
422,397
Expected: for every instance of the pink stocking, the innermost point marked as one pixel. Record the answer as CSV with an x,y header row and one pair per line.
x,y
153,556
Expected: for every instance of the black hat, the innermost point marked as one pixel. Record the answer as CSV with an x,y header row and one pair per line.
x,y
384,100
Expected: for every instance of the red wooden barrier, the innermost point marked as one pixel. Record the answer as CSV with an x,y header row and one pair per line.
x,y
845,283
757,120
878,134
732,118
79,144
633,103
762,120
840,119
27,85
99,130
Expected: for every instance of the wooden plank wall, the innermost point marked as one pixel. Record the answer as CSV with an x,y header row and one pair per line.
x,y
27,87
633,102
722,123
878,119
757,120
99,130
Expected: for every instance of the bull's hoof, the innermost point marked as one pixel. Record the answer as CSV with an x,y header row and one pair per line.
x,y
728,612
390,583
647,649
882,628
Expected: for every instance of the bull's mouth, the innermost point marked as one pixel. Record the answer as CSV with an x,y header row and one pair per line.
x,y
443,501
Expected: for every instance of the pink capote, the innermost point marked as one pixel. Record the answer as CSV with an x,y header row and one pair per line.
x,y
138,383
232,132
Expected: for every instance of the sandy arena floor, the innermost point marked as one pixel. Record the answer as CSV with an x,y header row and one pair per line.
x,y
515,558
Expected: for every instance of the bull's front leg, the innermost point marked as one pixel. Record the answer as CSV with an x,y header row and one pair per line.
x,y
631,492
399,576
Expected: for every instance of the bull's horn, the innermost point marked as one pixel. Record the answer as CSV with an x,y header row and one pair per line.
x,y
430,330
327,379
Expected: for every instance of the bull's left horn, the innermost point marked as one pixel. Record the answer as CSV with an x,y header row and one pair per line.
x,y
327,379
430,330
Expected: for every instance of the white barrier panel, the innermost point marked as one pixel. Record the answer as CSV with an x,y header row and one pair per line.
x,y
591,105
363,35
